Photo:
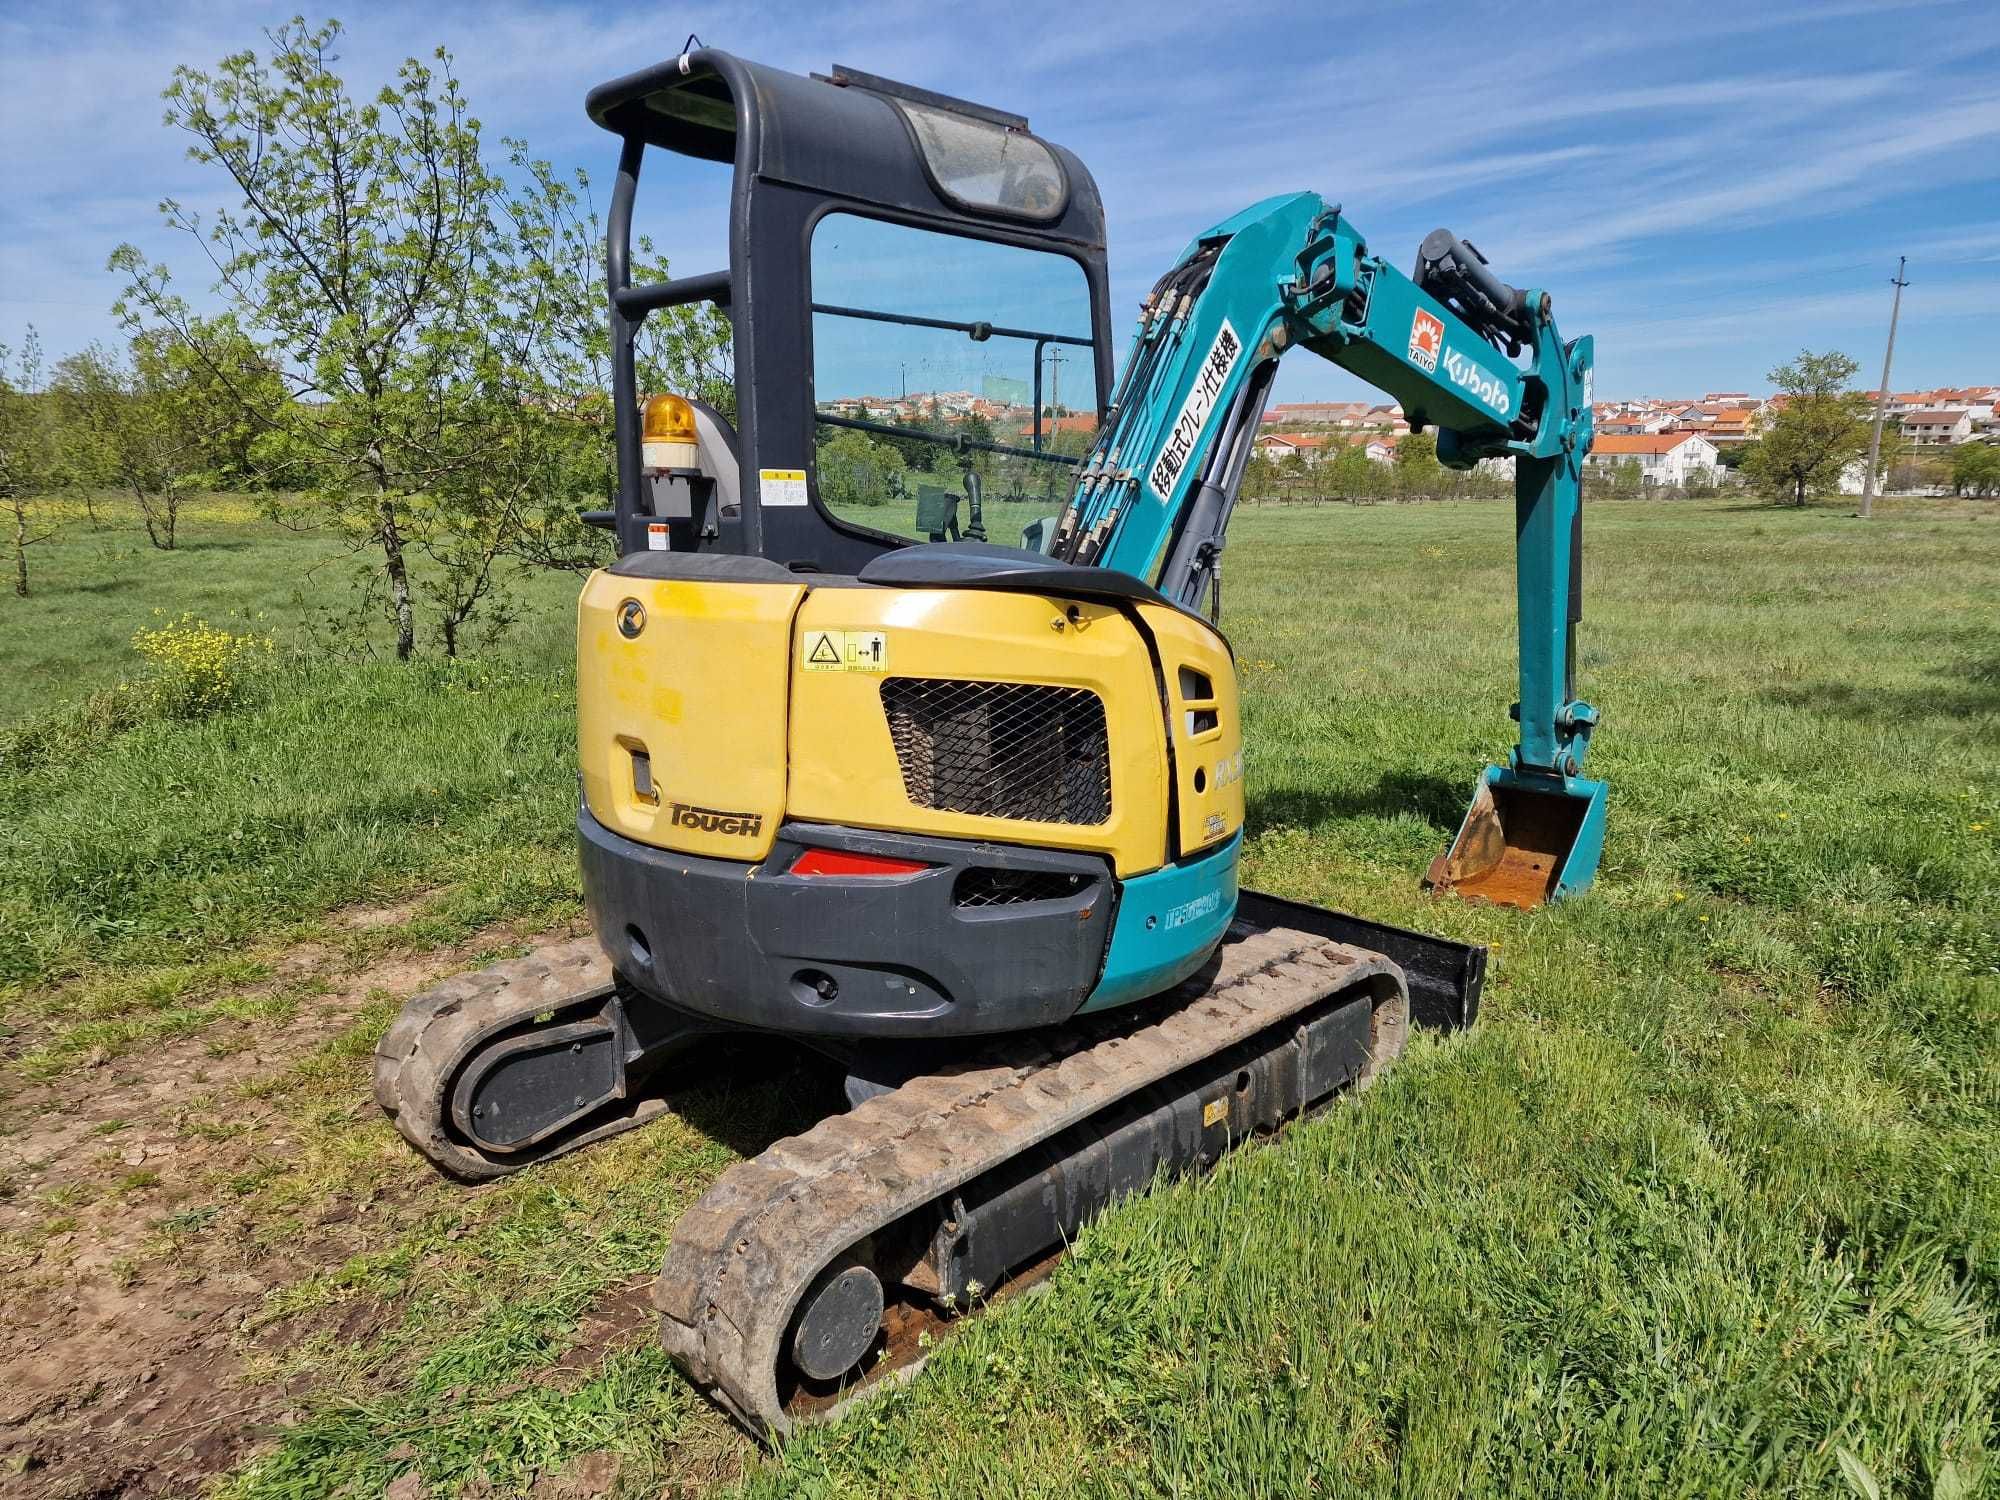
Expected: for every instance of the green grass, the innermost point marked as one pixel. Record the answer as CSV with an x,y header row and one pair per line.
x,y
1705,1204
139,865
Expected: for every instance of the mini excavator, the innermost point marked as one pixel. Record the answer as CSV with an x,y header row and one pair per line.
x,y
966,818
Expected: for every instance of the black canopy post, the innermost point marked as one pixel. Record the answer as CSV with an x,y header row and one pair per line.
x,y
624,330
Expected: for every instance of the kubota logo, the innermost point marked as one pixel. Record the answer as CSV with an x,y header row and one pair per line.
x,y
1426,339
709,820
1464,372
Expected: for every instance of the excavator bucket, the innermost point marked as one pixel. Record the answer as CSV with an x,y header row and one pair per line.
x,y
1525,840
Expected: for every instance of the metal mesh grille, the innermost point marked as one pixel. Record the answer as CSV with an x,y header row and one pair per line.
x,y
1001,749
981,886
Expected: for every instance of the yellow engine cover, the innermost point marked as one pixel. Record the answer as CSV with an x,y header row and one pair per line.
x,y
697,692
1200,680
961,713
845,767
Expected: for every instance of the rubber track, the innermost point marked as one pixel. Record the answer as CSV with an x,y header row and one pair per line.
x,y
435,1032
744,1255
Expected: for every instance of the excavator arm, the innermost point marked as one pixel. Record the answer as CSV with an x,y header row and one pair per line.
x,y
1154,495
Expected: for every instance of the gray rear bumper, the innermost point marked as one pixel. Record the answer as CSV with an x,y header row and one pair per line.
x,y
838,956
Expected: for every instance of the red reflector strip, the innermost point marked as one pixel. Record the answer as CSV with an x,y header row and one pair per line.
x,y
841,862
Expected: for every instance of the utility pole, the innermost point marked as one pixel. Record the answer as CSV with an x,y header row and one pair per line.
x,y
1882,396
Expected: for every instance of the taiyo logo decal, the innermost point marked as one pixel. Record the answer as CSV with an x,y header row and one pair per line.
x,y
1426,339
1466,374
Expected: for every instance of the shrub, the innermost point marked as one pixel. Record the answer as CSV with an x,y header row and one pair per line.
x,y
198,668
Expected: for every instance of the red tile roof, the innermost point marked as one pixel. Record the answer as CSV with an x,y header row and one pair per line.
x,y
1663,442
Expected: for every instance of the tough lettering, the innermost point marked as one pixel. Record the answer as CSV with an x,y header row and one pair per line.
x,y
712,820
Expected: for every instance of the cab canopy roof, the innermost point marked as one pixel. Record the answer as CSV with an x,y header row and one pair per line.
x,y
854,135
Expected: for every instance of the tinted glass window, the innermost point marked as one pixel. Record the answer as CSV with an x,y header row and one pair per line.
x,y
938,338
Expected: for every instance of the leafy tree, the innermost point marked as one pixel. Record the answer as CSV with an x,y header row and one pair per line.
x,y
1627,478
430,319
361,244
1975,469
557,338
1416,464
855,469
1821,429
975,428
1260,476
1352,473
28,458
158,422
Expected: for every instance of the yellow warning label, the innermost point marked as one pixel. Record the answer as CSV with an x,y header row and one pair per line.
x,y
781,486
844,651
1215,1111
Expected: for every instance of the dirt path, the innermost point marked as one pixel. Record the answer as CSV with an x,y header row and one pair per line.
x,y
121,1336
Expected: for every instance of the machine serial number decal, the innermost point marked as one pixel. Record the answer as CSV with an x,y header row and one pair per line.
x,y
1465,374
781,486
844,651
1192,911
1208,387
1426,339
714,820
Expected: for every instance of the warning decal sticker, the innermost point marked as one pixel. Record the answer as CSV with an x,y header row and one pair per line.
x,y
658,538
781,486
1208,386
823,651
844,651
1426,340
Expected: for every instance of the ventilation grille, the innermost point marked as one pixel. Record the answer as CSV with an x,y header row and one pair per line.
x,y
1001,749
982,886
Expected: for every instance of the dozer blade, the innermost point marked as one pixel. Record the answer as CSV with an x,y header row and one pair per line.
x,y
1525,840
786,1285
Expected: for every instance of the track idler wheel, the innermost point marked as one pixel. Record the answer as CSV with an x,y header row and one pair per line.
x,y
837,1321
494,1070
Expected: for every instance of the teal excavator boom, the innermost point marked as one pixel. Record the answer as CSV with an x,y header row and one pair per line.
x,y
1153,497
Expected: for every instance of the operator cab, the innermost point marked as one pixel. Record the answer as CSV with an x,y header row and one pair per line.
x,y
929,370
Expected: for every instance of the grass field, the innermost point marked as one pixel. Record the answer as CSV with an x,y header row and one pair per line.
x,y
1705,1205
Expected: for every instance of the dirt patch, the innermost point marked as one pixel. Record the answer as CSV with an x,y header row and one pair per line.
x,y
131,1283
619,1315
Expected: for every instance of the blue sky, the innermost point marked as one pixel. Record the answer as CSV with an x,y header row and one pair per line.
x,y
1704,189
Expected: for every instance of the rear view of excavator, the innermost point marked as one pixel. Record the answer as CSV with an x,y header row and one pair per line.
x,y
964,818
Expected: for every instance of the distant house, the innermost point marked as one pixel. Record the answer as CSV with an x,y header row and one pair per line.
x,y
1633,422
1935,427
1280,445
1725,424
1663,458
